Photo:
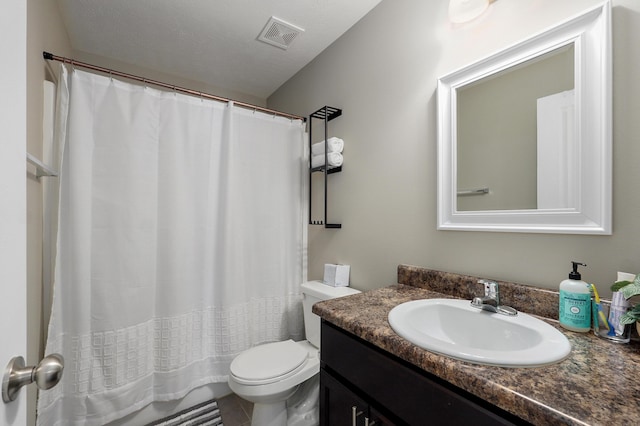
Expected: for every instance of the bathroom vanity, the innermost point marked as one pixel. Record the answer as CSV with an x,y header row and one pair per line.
x,y
371,374
358,380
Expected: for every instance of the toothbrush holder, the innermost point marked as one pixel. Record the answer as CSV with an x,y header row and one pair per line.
x,y
603,326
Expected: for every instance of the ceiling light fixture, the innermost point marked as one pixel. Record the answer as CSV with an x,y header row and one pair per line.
x,y
461,11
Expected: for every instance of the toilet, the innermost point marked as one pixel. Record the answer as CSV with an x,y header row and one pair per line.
x,y
281,378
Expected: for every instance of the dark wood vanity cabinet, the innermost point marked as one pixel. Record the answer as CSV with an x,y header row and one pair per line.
x,y
339,406
385,390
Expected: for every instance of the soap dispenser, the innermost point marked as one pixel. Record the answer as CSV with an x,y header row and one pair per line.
x,y
575,302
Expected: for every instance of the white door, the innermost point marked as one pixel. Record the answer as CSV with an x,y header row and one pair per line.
x,y
557,151
13,111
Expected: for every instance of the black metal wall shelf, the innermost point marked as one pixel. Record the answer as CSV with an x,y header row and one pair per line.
x,y
329,172
325,114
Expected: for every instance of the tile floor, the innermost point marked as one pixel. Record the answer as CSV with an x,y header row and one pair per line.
x,y
235,411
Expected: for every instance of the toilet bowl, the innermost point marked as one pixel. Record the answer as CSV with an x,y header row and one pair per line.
x,y
268,375
281,378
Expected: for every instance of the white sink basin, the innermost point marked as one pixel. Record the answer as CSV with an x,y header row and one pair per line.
x,y
452,327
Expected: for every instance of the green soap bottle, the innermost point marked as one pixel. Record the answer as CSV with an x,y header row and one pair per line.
x,y
575,302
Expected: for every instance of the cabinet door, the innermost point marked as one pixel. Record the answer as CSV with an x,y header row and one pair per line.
x,y
338,405
377,419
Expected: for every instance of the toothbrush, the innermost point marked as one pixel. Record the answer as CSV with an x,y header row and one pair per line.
x,y
599,307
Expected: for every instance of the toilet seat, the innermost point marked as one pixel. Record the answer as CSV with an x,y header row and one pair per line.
x,y
269,363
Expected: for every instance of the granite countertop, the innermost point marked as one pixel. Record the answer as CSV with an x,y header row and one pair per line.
x,y
598,384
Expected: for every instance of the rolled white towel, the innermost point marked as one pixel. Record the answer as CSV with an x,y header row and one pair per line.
x,y
333,145
334,159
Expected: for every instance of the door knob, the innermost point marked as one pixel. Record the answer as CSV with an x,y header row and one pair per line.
x,y
46,374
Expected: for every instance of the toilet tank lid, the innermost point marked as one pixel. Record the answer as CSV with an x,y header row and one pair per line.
x,y
325,292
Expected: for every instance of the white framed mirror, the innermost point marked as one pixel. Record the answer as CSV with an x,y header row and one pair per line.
x,y
524,135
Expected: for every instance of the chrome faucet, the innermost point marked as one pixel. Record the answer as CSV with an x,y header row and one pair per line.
x,y
491,299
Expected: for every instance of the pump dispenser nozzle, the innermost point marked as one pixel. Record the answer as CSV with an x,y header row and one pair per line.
x,y
575,275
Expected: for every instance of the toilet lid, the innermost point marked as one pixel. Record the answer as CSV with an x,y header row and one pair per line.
x,y
269,362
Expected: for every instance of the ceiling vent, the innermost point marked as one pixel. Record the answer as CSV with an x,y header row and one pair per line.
x,y
279,33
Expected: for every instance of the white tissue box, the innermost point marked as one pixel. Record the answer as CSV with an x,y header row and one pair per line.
x,y
336,275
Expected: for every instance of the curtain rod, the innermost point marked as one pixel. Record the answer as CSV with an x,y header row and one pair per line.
x,y
73,62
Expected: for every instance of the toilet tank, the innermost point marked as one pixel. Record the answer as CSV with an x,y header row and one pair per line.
x,y
313,292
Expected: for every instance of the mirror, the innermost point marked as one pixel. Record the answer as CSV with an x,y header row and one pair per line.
x,y
507,113
524,137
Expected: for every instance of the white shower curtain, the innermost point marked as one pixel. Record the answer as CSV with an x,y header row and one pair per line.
x,y
180,244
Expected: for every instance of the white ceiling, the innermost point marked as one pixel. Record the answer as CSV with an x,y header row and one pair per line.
x,y
213,41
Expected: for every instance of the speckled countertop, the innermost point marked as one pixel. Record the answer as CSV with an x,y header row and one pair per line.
x,y
598,384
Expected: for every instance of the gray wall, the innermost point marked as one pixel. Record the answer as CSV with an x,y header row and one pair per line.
x,y
383,74
44,32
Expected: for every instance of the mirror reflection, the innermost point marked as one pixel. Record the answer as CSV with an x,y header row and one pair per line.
x,y
515,136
